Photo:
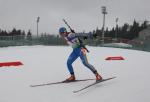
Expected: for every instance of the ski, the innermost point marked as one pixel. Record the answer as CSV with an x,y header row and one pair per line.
x,y
93,84
60,82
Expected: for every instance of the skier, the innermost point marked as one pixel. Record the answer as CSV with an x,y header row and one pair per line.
x,y
78,51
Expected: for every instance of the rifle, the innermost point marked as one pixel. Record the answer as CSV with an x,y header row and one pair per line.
x,y
80,41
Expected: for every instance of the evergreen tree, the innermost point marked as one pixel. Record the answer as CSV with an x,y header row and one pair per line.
x,y
13,32
29,35
124,31
134,31
144,24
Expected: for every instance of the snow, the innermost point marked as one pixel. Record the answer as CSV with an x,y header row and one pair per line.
x,y
119,45
44,64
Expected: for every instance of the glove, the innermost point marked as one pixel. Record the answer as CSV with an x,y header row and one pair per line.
x,y
83,50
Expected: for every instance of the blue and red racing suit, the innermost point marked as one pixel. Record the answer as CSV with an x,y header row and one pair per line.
x,y
78,51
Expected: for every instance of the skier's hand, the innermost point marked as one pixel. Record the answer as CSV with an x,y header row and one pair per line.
x,y
84,50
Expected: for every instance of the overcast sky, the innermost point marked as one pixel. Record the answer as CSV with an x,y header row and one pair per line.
x,y
82,15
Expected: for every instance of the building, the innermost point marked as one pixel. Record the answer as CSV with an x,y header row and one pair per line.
x,y
143,41
145,34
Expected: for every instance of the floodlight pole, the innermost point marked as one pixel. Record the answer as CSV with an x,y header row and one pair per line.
x,y
116,28
104,12
38,19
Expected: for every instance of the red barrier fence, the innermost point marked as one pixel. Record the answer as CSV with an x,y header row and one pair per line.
x,y
17,63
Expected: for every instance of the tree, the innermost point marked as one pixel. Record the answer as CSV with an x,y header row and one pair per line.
x,y
144,24
29,35
134,31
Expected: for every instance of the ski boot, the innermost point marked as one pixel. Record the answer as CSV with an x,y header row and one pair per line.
x,y
98,77
70,79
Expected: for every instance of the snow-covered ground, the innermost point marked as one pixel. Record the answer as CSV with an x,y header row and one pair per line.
x,y
118,45
44,64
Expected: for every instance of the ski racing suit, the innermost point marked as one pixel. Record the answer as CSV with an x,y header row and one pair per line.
x,y
78,51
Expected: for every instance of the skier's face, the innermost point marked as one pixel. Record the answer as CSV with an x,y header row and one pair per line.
x,y
64,34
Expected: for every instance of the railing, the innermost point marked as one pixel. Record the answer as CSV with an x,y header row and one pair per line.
x,y
6,41
30,40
